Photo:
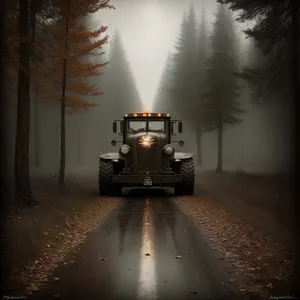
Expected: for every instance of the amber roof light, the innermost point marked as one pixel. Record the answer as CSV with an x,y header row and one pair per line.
x,y
147,114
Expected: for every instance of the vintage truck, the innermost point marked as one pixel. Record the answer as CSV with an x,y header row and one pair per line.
x,y
146,157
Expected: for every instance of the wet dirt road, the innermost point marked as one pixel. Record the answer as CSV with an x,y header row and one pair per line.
x,y
147,250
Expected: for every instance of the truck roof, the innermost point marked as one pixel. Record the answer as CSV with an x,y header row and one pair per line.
x,y
147,114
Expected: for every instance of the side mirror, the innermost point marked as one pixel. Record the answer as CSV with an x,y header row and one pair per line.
x,y
114,127
180,127
113,143
181,143
121,127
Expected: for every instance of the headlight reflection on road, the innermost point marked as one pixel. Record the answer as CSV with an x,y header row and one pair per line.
x,y
147,277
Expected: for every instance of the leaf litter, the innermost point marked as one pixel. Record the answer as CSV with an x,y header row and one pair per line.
x,y
36,273
255,254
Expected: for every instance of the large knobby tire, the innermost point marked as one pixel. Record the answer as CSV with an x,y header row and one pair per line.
x,y
106,172
187,185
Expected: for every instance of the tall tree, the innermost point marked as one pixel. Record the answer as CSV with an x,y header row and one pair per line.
x,y
163,100
71,67
199,113
184,87
120,89
221,105
277,30
23,191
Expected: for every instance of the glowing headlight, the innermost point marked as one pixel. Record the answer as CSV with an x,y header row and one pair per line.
x,y
168,150
124,149
146,141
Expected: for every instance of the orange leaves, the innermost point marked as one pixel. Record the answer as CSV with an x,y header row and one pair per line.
x,y
82,88
76,104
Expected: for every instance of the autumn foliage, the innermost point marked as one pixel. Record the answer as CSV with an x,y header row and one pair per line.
x,y
80,43
47,49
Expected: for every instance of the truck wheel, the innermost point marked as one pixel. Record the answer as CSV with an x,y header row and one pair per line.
x,y
187,170
106,172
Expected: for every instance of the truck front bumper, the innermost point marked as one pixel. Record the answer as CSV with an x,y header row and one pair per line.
x,y
139,179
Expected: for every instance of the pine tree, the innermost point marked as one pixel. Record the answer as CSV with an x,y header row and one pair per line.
x,y
121,94
222,107
71,67
184,87
163,101
199,116
277,30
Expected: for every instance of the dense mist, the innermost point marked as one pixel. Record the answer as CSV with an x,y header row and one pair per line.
x,y
159,55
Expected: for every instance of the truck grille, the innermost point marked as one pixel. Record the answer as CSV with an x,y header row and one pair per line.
x,y
148,159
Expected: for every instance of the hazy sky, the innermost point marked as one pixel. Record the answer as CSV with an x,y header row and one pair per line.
x,y
149,29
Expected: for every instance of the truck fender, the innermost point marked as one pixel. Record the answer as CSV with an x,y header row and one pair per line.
x,y
182,155
110,156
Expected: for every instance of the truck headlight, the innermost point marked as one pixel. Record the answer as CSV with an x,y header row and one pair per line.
x,y
124,149
168,150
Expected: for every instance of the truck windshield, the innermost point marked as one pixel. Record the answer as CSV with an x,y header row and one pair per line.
x,y
156,126
138,126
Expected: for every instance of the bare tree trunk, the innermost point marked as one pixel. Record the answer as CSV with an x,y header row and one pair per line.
x,y
199,146
220,144
23,193
36,132
3,161
295,73
296,96
78,147
33,12
57,131
61,179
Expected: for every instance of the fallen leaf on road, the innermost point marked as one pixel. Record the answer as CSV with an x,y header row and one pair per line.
x,y
147,254
242,290
72,261
269,285
102,258
178,256
231,280
194,292
56,278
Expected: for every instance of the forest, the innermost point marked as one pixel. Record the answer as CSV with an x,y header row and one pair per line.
x,y
54,66
235,96
229,70
66,80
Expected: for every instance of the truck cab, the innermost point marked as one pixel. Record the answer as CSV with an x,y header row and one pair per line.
x,y
146,156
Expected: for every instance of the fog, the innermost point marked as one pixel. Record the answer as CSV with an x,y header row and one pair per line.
x,y
147,31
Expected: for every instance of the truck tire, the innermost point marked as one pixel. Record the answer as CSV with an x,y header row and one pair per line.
x,y
187,170
106,172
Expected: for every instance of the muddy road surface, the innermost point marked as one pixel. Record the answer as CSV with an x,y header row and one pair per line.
x,y
147,250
